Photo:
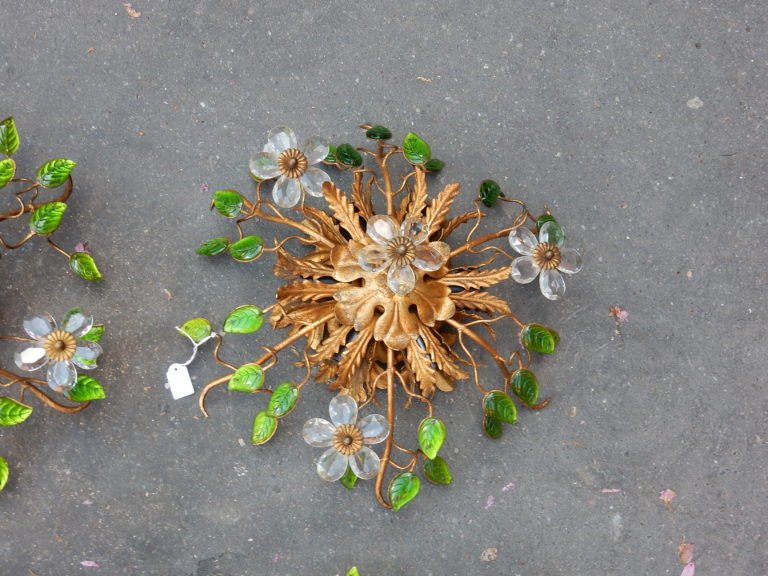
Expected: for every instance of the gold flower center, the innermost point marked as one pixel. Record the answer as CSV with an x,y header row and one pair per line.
x,y
292,163
547,256
60,345
348,439
401,250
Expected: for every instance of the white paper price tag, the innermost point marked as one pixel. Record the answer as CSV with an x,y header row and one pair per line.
x,y
179,381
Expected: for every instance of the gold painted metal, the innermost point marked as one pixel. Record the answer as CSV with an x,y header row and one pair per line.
x,y
547,256
292,163
361,338
348,439
60,345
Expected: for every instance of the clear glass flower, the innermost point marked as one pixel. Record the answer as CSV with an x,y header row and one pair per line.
x,y
398,249
60,348
544,257
293,166
346,440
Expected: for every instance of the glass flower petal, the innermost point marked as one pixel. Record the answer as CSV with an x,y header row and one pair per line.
x,y
552,233
374,428
286,192
315,149
343,410
61,376
570,261
522,241
318,432
39,326
331,465
524,269
280,139
552,284
312,180
415,229
86,354
432,256
30,357
401,279
263,165
77,322
382,229
365,463
373,258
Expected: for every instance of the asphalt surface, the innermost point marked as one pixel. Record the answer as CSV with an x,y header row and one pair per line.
x,y
640,124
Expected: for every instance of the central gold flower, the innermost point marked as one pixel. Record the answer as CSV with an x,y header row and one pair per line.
x,y
60,346
292,163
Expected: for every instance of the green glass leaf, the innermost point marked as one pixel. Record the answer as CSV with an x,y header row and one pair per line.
x,y
4,473
213,247
403,488
330,158
434,165
12,412
198,329
353,571
490,192
84,266
525,386
538,338
497,404
55,172
244,320
556,233
47,217
492,427
228,203
347,155
7,171
264,427
283,400
378,132
349,479
9,136
247,378
246,249
437,471
431,436
94,334
85,389
416,150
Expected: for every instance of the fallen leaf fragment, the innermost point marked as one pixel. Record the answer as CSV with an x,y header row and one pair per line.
x,y
132,12
689,570
685,552
89,564
667,496
489,554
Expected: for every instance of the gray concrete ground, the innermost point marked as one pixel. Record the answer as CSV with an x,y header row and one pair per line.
x,y
641,124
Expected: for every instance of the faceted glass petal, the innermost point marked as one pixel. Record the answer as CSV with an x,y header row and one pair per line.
x,y
280,139
332,465
312,180
415,229
523,241
373,258
374,428
263,165
315,149
401,279
381,229
318,432
365,464
286,192
552,233
86,354
432,256
552,284
524,269
39,326
343,410
30,357
77,322
570,261
62,376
